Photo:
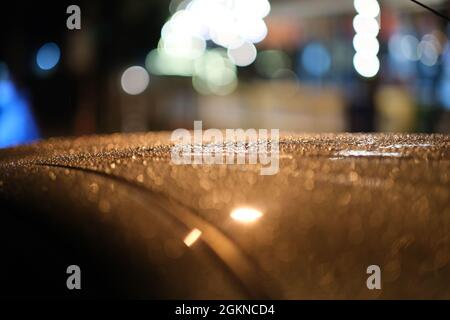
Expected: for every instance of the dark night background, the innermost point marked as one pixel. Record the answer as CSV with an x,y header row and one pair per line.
x,y
82,94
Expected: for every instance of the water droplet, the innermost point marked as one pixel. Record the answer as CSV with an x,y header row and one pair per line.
x,y
52,175
93,187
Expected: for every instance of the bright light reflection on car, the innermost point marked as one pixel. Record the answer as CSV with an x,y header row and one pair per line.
x,y
246,215
192,237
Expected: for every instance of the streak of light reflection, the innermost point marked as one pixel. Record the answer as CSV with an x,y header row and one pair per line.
x,y
246,215
192,237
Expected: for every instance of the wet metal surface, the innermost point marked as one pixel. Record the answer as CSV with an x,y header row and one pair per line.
x,y
340,203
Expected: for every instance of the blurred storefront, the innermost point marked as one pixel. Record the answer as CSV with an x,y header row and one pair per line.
x,y
296,65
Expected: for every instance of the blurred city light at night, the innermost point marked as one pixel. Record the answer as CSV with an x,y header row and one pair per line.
x,y
134,80
192,237
17,125
365,41
246,215
316,59
197,25
48,56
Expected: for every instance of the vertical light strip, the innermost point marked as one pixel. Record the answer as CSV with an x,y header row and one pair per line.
x,y
366,24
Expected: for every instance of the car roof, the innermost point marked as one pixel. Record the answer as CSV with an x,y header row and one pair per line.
x,y
339,203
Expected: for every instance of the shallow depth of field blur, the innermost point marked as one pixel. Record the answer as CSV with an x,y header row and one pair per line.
x,y
294,65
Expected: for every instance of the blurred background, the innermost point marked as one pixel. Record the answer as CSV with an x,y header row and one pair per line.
x,y
147,65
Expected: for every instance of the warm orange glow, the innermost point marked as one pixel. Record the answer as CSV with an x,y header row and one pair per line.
x,y
192,237
246,215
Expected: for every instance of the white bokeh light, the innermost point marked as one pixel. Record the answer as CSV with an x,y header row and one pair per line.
x,y
185,22
255,8
183,46
364,43
234,25
429,37
409,47
226,34
214,73
253,30
366,65
229,23
428,53
134,80
366,25
367,8
243,55
158,62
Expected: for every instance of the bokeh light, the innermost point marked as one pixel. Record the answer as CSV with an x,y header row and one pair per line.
x,y
246,215
364,43
316,59
16,119
409,47
214,73
367,8
244,55
428,53
6,91
256,8
444,93
134,80
226,23
366,65
197,25
366,25
183,46
48,56
270,61
158,62
253,30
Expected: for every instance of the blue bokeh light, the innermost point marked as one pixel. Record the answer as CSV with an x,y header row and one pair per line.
x,y
6,92
17,125
316,59
444,93
48,56
446,61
